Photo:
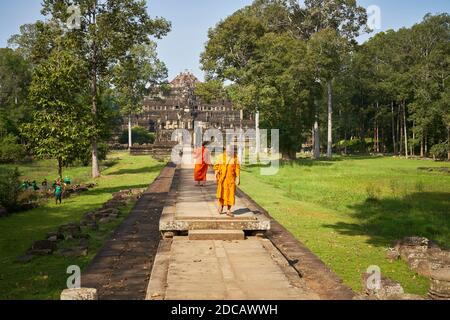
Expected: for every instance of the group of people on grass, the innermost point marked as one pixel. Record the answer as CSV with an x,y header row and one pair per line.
x,y
227,173
57,187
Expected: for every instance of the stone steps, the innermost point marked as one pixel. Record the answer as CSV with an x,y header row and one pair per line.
x,y
224,235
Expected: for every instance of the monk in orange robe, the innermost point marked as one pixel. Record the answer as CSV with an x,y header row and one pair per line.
x,y
202,163
228,171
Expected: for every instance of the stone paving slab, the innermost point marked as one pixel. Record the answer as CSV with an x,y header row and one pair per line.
x,y
190,207
251,269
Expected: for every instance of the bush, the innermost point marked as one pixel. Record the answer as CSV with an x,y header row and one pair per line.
x,y
11,150
356,145
439,151
9,188
139,136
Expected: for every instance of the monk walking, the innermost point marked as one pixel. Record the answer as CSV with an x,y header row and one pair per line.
x,y
228,171
202,162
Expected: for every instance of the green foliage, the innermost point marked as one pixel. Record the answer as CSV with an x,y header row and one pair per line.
x,y
210,91
61,124
15,77
356,146
440,151
273,52
11,150
9,187
137,73
139,136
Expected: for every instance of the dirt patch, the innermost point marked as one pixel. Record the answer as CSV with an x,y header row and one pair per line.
x,y
122,268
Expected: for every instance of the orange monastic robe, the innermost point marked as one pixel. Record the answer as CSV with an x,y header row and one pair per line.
x,y
228,169
202,161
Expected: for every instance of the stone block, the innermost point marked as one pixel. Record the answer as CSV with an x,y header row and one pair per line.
x,y
79,294
224,235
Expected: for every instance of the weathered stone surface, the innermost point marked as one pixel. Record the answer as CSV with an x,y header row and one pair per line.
x,y
224,235
70,231
387,290
440,284
422,255
42,247
106,220
79,294
73,252
393,254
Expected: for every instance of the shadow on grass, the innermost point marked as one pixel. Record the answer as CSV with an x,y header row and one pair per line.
x,y
153,169
425,214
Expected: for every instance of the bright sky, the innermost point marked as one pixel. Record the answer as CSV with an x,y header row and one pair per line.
x,y
191,20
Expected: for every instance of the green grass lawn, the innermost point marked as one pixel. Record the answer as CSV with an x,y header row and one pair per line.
x,y
349,210
45,277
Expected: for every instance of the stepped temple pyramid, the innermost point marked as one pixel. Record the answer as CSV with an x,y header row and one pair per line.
x,y
180,108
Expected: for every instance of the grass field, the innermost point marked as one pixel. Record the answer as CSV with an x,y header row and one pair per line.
x,y
45,277
349,210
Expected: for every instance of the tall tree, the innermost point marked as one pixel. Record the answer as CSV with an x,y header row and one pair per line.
x,y
15,77
61,122
134,77
109,29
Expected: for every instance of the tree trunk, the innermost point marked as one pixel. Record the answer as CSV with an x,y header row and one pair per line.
x,y
316,153
448,143
394,141
258,136
406,129
95,165
422,148
330,120
400,127
289,154
130,134
60,168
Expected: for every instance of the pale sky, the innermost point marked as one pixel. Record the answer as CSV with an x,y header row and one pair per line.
x,y
191,20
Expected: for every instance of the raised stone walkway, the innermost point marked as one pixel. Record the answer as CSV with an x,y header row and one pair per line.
x,y
121,270
221,267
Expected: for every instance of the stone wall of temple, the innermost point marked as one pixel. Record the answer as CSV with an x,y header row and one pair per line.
x,y
182,109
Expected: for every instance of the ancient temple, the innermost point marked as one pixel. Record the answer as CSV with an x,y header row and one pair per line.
x,y
180,108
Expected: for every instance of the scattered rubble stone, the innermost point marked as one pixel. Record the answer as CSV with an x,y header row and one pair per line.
x,y
81,251
42,247
440,284
426,259
70,231
79,294
387,291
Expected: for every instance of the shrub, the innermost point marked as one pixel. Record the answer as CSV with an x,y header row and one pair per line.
x,y
439,151
139,136
9,187
356,145
11,150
